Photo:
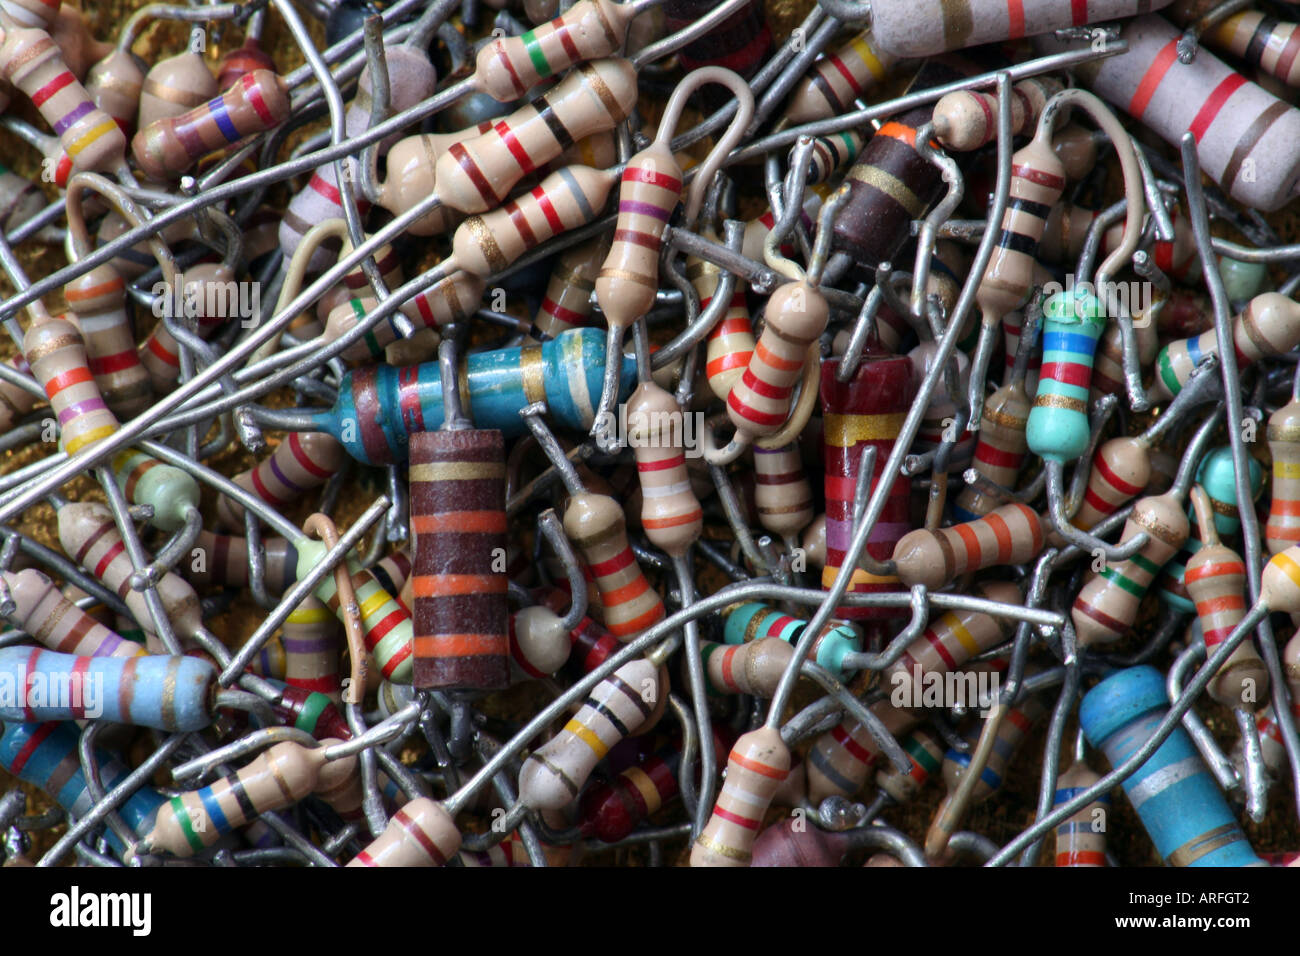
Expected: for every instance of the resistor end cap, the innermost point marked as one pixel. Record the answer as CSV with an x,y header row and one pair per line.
x,y
1119,700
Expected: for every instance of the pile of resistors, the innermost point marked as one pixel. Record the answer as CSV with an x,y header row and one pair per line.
x,y
511,432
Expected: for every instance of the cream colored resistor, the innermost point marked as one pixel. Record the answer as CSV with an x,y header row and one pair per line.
x,y
1081,837
98,301
967,119
837,79
758,763
1283,527
301,462
276,778
842,757
1010,534
813,542
33,63
421,833
670,513
115,84
782,493
476,174
1107,606
567,302
730,343
618,706
597,528
174,86
754,668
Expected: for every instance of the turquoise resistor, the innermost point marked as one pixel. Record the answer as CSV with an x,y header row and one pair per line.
x,y
145,480
1242,281
45,755
1058,429
161,691
1217,475
753,622
1174,793
379,406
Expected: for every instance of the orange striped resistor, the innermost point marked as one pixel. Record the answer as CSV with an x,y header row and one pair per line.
x,y
1011,534
729,344
758,764
98,303
670,513
596,526
1283,527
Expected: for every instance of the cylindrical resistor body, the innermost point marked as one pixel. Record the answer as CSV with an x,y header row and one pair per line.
x,y
754,668
1174,793
421,833
567,302
1058,422
458,523
999,452
174,86
1216,581
98,301
1010,534
729,344
782,493
753,621
837,79
756,767
44,613
656,429
841,758
597,528
311,640
56,354
301,462
1121,469
1081,837
1282,529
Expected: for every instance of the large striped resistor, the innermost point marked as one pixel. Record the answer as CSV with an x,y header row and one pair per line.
x,y
837,79
379,406
161,691
90,537
98,301
753,621
475,175
617,707
758,764
421,833
45,755
926,28
1058,427
1106,607
1268,326
310,637
948,642
1215,580
967,119
782,493
1241,130
1010,534
1081,837
257,102
1000,451
1173,792
458,523
44,613
301,462
597,528
33,63
740,43
670,512
280,776
841,758
868,410
1283,527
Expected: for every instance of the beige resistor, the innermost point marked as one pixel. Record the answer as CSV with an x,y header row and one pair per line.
x,y
1076,148
421,833
1010,534
758,763
410,178
841,758
754,668
782,493
115,84
98,302
567,303
670,513
301,462
966,119
174,86
813,542
838,79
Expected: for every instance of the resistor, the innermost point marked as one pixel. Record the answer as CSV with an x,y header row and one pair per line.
x,y
754,668
1058,426
590,643
1267,327
137,260
450,300
421,833
1283,527
160,691
740,43
379,406
279,777
618,707
98,300
1081,837
40,14
222,559
206,294
57,356
33,64
670,513
172,492
841,758
309,711
782,493
310,637
1108,364
758,763
1064,232
926,757
1121,470
174,86
567,301
966,119
1017,721
596,526
44,613
1106,608
949,642
303,461
539,643
409,178
867,410
938,421
45,755
458,523
1242,131
73,37
832,153
1174,793
1001,449
730,343
1272,747
393,570
241,61
837,79
1215,580
753,621
20,199
166,148
1010,534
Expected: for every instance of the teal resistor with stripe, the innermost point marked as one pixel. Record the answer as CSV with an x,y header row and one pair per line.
x,y
1217,475
1180,803
45,755
162,691
1073,320
379,406
171,492
753,622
